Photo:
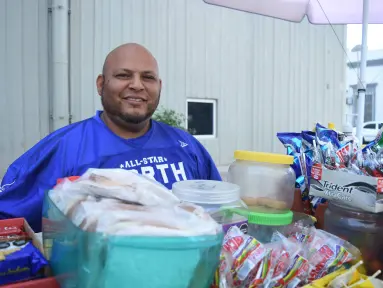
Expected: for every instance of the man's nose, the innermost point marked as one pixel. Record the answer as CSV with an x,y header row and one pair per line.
x,y
136,83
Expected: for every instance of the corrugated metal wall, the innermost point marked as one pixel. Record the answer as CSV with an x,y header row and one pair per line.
x,y
24,106
268,75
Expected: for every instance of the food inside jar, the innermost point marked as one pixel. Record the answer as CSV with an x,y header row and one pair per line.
x,y
266,202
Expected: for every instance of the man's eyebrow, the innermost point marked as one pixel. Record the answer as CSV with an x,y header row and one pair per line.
x,y
143,72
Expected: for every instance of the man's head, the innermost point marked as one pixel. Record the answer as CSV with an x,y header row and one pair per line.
x,y
129,85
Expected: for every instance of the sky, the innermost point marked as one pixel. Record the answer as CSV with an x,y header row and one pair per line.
x,y
374,36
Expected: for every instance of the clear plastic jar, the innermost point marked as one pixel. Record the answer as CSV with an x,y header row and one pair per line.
x,y
267,181
216,197
362,229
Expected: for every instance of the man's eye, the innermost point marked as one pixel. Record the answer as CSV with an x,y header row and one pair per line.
x,y
122,76
149,77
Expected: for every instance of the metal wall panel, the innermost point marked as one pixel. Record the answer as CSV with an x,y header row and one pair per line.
x,y
24,108
267,75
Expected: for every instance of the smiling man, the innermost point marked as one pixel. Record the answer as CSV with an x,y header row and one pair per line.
x,y
121,136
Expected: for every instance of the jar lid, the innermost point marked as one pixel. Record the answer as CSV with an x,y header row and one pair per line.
x,y
206,191
263,157
267,219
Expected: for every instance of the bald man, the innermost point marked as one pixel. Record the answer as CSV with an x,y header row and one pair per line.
x,y
121,136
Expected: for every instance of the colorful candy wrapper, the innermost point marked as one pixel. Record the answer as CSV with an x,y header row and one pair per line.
x,y
280,258
293,144
308,138
329,145
223,277
247,261
328,253
298,265
377,144
257,277
247,253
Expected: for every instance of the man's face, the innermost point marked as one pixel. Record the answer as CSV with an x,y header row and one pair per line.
x,y
130,87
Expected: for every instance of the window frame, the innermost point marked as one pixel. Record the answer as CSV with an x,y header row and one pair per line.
x,y
202,100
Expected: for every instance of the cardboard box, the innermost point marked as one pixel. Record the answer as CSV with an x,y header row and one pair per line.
x,y
356,191
41,283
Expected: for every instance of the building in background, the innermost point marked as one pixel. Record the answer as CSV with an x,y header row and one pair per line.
x,y
239,78
373,110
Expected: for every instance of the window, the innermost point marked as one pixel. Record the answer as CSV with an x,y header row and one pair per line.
x,y
380,125
370,126
201,117
369,107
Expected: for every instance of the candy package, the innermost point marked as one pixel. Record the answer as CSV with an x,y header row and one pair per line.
x,y
294,259
293,144
19,259
327,150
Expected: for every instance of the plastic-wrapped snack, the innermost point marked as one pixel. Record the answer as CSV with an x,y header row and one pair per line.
x,y
328,253
19,258
247,260
373,163
377,144
121,185
280,261
308,139
298,268
329,144
293,144
258,276
247,255
223,277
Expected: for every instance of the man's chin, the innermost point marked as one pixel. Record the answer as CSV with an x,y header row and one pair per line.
x,y
135,118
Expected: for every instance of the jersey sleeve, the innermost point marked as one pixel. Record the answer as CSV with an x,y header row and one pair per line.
x,y
208,169
26,181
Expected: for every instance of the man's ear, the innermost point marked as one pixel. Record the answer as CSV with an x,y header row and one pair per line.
x,y
100,84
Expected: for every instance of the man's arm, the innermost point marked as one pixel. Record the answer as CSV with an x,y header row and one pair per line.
x,y
26,181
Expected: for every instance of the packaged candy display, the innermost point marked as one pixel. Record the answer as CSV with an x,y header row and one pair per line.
x,y
338,169
19,259
111,221
299,257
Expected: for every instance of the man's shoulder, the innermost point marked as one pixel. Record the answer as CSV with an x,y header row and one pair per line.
x,y
53,141
167,129
72,131
176,134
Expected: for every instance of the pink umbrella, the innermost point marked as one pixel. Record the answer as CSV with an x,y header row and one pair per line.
x,y
321,12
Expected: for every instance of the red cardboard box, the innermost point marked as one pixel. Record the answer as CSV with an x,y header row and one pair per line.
x,y
38,283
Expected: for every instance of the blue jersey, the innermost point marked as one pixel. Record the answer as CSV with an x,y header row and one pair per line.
x,y
164,153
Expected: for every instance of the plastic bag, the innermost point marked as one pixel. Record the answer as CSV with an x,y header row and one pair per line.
x,y
122,185
120,202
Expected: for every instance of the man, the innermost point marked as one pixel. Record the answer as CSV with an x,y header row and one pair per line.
x,y
122,135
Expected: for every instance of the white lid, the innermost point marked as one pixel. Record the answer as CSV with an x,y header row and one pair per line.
x,y
206,192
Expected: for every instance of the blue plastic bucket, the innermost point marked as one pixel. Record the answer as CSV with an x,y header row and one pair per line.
x,y
91,260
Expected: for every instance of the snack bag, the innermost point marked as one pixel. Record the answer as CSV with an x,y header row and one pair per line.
x,y
247,254
19,258
299,266
328,253
293,144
